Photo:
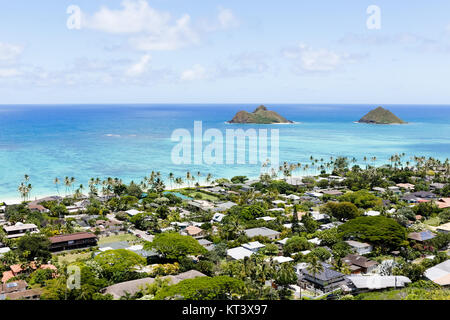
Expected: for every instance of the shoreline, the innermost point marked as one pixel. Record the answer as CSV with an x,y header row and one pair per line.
x,y
17,200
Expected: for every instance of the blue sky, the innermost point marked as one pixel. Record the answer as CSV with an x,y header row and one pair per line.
x,y
229,51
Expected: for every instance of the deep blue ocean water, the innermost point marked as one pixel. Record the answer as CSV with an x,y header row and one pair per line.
x,y
129,141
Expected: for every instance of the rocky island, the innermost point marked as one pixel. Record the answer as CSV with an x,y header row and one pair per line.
x,y
381,116
260,116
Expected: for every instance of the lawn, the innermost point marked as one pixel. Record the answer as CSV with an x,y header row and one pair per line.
x,y
203,195
434,222
118,238
72,257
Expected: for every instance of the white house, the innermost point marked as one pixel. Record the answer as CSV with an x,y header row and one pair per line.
x,y
360,247
132,212
239,253
254,246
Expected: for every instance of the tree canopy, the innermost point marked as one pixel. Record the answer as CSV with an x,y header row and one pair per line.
x,y
203,288
175,246
379,230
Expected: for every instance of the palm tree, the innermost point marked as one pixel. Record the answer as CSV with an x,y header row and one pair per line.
x,y
315,266
209,178
72,183
171,177
67,184
56,182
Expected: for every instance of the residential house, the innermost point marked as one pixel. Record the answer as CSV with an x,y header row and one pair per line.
x,y
73,241
360,247
17,290
4,250
132,212
254,246
439,274
425,195
267,218
444,228
194,232
17,269
437,186
19,229
320,217
395,189
121,289
208,245
443,203
422,236
239,253
332,193
359,264
365,283
406,186
263,231
200,205
326,280
222,207
218,217
281,259
379,190
37,207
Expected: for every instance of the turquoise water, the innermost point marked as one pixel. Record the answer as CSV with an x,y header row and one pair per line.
x,y
129,141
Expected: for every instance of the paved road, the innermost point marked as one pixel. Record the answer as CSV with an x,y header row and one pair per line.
x,y
134,231
142,234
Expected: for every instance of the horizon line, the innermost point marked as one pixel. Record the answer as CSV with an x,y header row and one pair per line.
x,y
217,103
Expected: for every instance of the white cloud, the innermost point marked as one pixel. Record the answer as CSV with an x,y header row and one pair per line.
x,y
227,19
153,29
405,38
9,51
317,60
149,29
172,38
140,67
197,72
7,73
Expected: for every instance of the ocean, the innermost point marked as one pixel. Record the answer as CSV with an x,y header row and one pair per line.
x,y
130,141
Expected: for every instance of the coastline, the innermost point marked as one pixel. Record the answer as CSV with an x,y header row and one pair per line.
x,y
17,200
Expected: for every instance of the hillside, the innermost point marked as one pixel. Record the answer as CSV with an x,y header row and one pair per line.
x,y
381,116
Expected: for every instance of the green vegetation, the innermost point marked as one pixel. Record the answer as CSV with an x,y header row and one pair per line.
x,y
202,288
383,232
174,246
381,116
260,116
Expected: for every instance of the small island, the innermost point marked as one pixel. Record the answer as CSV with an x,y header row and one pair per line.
x,y
260,116
381,116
